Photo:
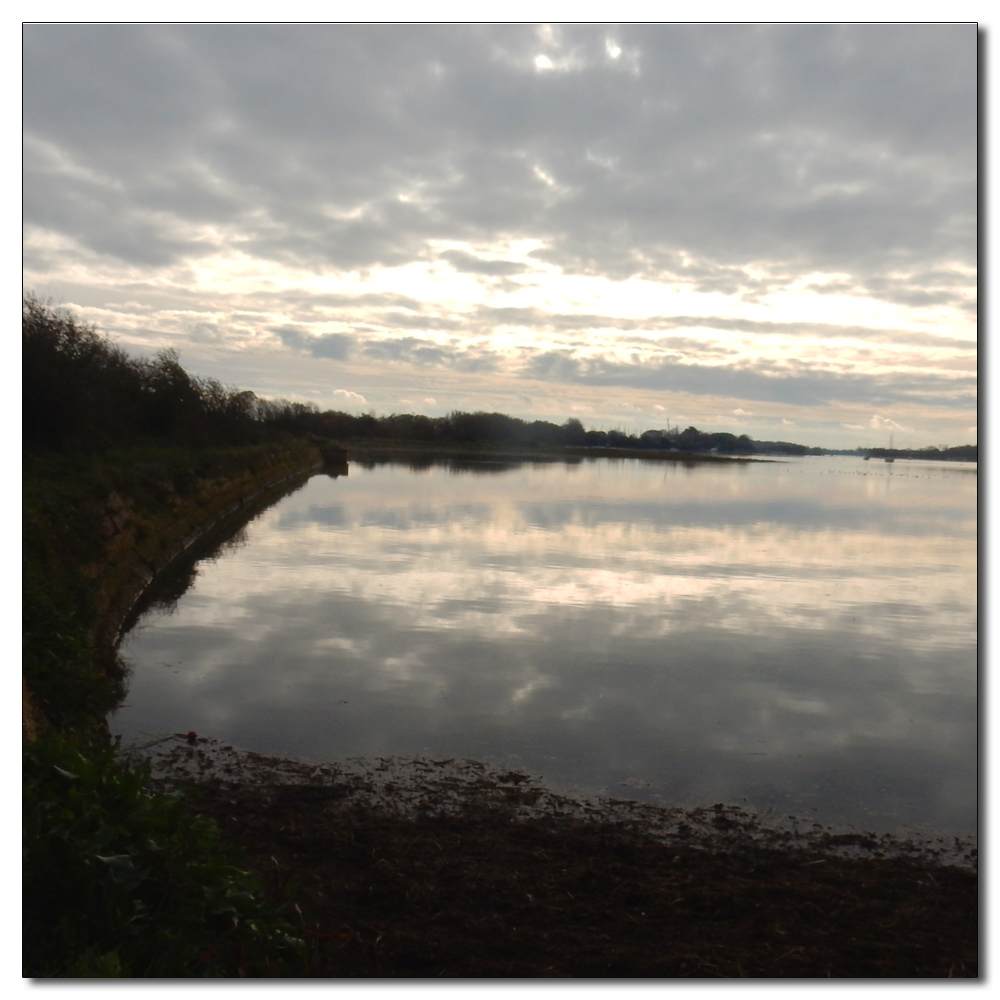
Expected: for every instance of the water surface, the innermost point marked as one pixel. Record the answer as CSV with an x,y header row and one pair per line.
x,y
797,637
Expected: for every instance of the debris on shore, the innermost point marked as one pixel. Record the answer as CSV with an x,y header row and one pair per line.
x,y
431,868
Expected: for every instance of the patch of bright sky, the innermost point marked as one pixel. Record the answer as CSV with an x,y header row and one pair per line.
x,y
546,288
541,286
636,298
228,302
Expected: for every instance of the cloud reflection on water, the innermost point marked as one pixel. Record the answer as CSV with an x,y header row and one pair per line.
x,y
603,624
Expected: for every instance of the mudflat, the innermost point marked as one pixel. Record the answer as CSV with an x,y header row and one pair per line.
x,y
448,869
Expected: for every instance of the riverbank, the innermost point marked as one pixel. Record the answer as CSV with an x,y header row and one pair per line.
x,y
450,869
119,882
98,532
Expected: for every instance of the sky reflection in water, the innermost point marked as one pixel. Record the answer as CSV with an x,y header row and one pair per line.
x,y
797,636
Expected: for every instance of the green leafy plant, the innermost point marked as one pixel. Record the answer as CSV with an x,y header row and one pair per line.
x,y
122,882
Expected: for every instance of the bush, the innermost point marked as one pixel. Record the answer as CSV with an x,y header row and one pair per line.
x,y
82,392
122,882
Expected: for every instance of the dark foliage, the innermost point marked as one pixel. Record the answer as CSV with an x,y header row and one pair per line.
x,y
71,682
963,453
82,392
122,883
488,429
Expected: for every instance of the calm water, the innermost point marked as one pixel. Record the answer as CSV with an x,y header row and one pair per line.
x,y
795,636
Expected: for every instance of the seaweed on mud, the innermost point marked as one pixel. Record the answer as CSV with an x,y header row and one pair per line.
x,y
427,868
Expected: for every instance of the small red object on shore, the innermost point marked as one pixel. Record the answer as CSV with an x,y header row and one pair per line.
x,y
192,736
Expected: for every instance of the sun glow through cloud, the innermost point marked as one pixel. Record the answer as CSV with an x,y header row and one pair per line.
x,y
488,218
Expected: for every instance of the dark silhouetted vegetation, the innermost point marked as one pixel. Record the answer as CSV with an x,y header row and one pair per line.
x,y
489,429
121,883
963,453
82,392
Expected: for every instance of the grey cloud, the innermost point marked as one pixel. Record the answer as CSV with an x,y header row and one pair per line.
x,y
765,381
418,322
908,294
103,218
407,349
411,350
846,148
539,319
206,333
691,345
426,353
302,299
469,264
331,345
927,288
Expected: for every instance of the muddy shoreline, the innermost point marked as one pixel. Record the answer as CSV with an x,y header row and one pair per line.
x,y
448,868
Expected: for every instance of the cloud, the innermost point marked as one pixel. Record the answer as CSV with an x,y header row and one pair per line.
x,y
331,345
540,319
880,423
467,263
428,353
799,202
206,333
408,321
844,148
764,381
348,397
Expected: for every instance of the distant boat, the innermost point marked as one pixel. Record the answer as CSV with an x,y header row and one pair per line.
x,y
890,459
887,458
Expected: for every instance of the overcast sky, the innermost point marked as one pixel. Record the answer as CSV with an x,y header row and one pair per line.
x,y
767,230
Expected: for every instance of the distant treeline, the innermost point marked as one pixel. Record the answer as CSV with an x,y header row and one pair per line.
x,y
963,453
82,392
492,429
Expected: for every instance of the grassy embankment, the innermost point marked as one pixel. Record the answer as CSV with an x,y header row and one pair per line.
x,y
96,532
119,882
127,462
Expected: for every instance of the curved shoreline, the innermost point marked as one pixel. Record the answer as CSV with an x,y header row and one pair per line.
x,y
134,520
408,788
213,530
448,868
141,567
429,868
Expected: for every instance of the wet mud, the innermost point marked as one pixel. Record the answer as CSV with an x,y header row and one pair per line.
x,y
449,868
